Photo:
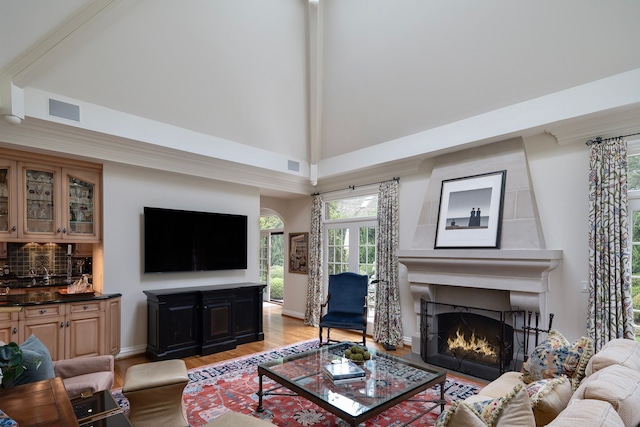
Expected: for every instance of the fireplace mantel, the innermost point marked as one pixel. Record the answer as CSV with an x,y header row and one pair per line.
x,y
522,273
523,270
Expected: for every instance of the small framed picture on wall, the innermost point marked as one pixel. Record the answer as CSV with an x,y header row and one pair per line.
x,y
298,253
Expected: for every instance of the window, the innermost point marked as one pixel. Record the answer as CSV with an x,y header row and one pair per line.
x,y
350,238
633,184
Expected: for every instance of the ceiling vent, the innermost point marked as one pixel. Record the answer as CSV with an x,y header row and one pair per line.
x,y
294,166
64,110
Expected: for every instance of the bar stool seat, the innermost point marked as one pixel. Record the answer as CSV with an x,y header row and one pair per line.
x,y
155,392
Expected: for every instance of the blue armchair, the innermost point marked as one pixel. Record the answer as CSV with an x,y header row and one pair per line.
x,y
346,305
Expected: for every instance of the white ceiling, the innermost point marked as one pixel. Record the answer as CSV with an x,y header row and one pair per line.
x,y
377,82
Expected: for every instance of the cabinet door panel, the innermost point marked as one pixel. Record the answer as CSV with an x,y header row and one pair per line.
x,y
8,199
81,202
84,337
39,193
50,331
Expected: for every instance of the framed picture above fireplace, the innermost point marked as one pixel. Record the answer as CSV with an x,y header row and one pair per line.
x,y
470,212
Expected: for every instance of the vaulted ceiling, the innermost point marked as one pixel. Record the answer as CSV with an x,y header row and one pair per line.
x,y
288,94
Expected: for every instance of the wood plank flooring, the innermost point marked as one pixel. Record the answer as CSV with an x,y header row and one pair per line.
x,y
279,330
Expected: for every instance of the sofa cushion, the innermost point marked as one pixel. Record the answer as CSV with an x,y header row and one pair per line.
x,y
501,386
619,351
37,361
555,357
618,385
548,398
513,409
588,413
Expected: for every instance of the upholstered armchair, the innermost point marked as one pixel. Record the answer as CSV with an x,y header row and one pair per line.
x,y
346,305
82,374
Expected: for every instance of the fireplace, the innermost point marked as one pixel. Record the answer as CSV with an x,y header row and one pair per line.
x,y
471,340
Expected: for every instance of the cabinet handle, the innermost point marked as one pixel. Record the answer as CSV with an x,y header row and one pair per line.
x,y
68,323
15,331
64,230
43,311
58,230
85,307
14,228
62,324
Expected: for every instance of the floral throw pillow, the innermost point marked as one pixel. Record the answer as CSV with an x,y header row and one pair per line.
x,y
513,409
556,357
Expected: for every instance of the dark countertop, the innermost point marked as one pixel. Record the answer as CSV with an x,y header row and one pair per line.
x,y
208,288
49,297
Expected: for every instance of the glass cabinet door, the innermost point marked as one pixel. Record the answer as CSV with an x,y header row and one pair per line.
x,y
40,194
82,216
8,199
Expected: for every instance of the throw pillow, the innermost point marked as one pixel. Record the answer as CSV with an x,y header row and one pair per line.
x,y
548,398
555,357
514,409
34,353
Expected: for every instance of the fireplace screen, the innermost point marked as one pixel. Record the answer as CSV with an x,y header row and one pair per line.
x,y
470,340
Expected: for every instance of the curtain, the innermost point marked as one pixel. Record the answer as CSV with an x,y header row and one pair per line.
x,y
314,288
387,327
610,313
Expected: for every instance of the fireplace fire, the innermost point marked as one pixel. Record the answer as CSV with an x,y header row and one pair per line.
x,y
476,348
470,340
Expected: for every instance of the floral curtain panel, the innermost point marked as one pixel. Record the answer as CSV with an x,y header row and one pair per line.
x,y
610,307
314,288
387,327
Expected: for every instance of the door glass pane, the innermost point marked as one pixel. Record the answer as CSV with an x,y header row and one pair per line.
x,y
4,199
263,260
81,205
338,250
39,201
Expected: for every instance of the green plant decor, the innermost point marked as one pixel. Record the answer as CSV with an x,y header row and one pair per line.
x,y
11,362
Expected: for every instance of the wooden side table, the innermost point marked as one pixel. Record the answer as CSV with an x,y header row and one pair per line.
x,y
43,403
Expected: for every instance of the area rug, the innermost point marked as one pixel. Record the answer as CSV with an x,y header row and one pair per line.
x,y
232,386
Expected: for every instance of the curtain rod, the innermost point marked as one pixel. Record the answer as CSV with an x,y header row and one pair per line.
x,y
353,187
598,140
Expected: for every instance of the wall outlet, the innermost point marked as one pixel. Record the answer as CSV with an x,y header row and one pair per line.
x,y
585,286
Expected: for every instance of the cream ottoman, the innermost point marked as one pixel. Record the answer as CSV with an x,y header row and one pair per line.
x,y
235,419
155,391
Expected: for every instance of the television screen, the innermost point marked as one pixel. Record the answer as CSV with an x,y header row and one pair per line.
x,y
178,240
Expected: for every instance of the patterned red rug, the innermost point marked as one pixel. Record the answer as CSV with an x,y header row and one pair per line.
x,y
232,385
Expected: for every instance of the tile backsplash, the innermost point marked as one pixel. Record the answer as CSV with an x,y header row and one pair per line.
x,y
23,257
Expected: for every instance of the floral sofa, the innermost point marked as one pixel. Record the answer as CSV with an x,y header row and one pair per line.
x,y
562,384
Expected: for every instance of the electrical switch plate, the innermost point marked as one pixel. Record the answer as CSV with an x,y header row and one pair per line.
x,y
585,286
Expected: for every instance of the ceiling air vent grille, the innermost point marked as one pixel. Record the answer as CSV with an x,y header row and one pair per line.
x,y
64,110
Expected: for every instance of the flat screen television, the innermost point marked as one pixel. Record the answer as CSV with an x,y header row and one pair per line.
x,y
179,240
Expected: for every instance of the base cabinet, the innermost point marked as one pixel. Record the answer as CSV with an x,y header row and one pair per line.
x,y
68,330
204,320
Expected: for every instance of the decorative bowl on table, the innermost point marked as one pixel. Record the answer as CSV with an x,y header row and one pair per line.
x,y
357,354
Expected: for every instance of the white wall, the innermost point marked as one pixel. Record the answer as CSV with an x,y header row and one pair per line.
x,y
126,191
296,215
559,178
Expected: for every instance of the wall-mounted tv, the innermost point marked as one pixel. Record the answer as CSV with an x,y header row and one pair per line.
x,y
179,240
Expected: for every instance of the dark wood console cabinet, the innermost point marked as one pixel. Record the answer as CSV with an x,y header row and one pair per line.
x,y
184,322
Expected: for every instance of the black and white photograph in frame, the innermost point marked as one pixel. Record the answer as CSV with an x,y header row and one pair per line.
x,y
470,212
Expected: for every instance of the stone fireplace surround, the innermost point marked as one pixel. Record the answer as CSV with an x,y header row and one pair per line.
x,y
513,277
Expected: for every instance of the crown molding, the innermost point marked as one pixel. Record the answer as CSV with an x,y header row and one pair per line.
x,y
608,124
51,138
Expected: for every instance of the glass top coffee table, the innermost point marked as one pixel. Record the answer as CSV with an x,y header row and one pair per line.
x,y
389,380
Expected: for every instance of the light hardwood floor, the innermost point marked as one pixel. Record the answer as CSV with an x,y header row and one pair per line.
x,y
279,330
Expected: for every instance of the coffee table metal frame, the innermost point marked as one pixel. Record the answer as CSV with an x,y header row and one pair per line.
x,y
305,379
